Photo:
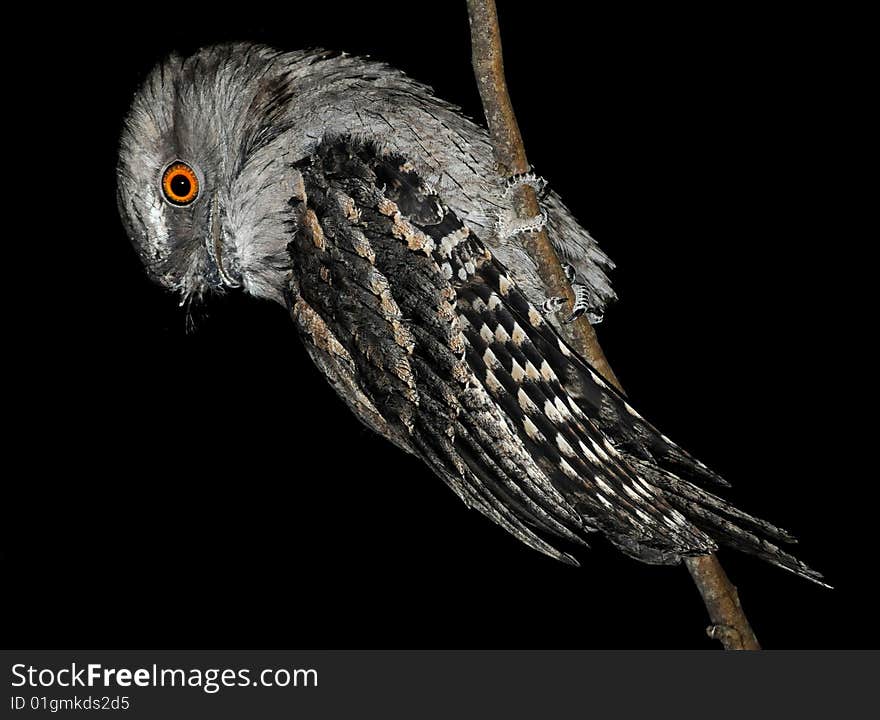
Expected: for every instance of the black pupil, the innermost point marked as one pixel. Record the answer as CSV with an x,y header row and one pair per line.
x,y
180,185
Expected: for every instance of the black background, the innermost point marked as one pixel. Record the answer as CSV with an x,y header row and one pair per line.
x,y
206,489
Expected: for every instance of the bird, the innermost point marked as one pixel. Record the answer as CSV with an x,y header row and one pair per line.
x,y
372,211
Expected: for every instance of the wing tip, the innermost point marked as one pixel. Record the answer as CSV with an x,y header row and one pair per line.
x,y
804,571
569,560
702,470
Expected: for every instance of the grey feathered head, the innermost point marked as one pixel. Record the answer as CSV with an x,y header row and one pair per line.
x,y
202,189
239,116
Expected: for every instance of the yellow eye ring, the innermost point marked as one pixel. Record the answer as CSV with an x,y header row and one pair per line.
x,y
180,184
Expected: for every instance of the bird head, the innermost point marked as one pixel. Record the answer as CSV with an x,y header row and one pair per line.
x,y
203,176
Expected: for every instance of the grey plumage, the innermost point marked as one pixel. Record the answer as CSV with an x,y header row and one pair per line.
x,y
262,106
344,190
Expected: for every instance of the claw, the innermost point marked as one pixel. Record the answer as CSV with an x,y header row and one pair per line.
x,y
582,307
574,316
553,304
594,318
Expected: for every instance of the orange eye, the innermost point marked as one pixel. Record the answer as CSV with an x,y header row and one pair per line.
x,y
180,184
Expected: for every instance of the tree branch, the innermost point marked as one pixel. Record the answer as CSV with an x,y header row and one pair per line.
x,y
510,156
730,625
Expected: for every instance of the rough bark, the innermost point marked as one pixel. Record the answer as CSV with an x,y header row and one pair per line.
x,y
730,626
729,623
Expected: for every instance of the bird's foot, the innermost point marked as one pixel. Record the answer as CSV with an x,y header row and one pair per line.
x,y
527,178
581,299
509,225
582,306
553,304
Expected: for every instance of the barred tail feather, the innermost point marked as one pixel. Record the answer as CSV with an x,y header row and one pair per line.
x,y
726,523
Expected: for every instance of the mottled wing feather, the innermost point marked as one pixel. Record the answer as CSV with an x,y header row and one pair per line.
x,y
434,346
400,352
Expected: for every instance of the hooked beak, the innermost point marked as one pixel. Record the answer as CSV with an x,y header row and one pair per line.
x,y
224,272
